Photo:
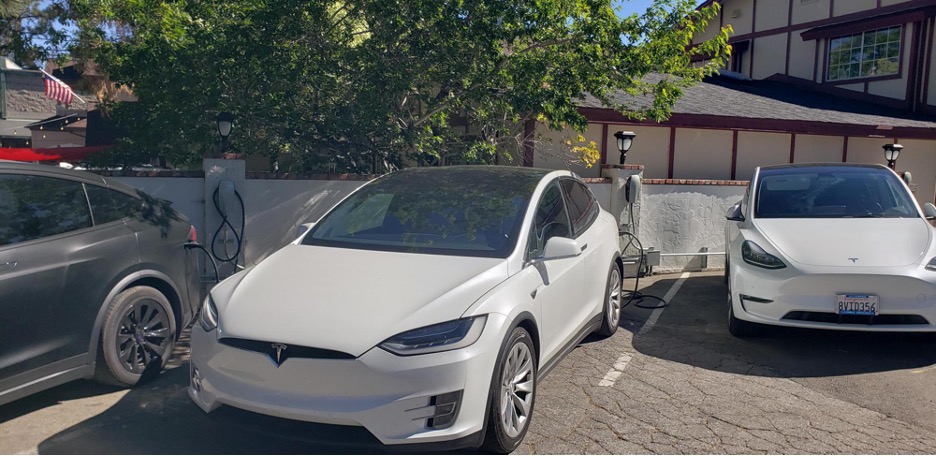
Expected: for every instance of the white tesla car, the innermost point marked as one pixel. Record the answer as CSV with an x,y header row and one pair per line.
x,y
834,246
424,307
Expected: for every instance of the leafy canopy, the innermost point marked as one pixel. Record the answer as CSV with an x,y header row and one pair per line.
x,y
358,82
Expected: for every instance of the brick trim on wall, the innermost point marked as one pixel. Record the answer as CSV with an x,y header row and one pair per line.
x,y
733,183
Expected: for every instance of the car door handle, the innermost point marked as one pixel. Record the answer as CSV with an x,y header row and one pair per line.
x,y
8,266
584,247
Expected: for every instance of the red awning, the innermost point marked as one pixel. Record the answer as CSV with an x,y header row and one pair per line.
x,y
66,154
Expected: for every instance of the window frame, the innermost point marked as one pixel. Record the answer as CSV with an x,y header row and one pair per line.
x,y
593,206
901,51
531,233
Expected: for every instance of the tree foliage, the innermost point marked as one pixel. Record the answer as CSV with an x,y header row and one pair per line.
x,y
32,31
362,81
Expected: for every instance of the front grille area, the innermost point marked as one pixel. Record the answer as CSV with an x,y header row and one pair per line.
x,y
281,352
829,317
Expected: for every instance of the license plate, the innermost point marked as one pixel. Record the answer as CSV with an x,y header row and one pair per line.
x,y
857,304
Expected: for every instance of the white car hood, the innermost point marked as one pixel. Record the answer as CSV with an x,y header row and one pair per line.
x,y
876,242
350,300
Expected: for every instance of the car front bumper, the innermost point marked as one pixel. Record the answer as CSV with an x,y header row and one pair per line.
x,y
806,297
391,396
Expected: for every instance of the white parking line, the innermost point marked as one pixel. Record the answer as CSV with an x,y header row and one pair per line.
x,y
616,371
611,377
648,325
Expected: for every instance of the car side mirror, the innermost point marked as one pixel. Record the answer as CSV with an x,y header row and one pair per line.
x,y
734,213
560,247
929,211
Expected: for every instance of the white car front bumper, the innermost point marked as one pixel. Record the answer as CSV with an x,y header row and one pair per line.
x,y
391,396
806,297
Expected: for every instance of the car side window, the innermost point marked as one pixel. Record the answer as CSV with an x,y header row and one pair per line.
x,y
551,219
583,207
109,205
34,207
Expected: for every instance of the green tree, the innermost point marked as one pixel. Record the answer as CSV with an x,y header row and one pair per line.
x,y
358,81
32,31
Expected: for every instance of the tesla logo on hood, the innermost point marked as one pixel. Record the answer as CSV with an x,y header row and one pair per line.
x,y
853,260
278,356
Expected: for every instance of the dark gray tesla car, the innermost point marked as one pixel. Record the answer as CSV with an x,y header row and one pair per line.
x,y
94,279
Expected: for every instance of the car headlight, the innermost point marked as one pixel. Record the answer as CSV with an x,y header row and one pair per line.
x,y
753,254
208,317
450,335
931,265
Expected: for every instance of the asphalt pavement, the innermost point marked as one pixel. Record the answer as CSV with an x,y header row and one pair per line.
x,y
670,381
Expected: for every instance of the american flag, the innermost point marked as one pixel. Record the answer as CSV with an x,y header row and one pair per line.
x,y
57,90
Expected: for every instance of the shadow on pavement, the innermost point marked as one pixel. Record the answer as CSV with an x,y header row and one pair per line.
x,y
693,330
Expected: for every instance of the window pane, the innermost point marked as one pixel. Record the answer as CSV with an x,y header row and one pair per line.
x,y
893,34
33,207
582,205
109,205
551,220
867,68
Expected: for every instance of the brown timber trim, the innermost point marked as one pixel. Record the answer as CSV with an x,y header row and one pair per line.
x,y
604,144
929,64
914,63
815,68
831,9
792,147
786,65
734,153
712,122
529,129
871,23
845,150
672,151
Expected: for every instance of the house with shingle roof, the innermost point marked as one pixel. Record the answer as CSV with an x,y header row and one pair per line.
x,y
809,81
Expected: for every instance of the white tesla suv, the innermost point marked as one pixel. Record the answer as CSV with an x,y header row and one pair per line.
x,y
424,307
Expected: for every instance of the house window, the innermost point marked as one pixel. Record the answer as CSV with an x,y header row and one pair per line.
x,y
865,55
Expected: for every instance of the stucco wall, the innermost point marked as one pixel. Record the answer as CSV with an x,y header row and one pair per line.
x,y
808,12
840,7
684,219
743,23
186,194
815,148
702,154
802,57
892,2
760,149
650,149
769,56
772,14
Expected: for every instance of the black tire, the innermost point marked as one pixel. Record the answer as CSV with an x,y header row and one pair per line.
x,y
611,320
143,320
741,328
500,437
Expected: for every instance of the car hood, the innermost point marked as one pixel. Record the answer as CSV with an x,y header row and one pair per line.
x,y
350,300
872,242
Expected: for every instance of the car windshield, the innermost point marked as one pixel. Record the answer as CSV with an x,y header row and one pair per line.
x,y
467,211
831,192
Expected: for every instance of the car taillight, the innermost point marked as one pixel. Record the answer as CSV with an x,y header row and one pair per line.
x,y
192,234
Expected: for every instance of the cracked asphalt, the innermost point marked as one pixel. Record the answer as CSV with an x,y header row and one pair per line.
x,y
684,386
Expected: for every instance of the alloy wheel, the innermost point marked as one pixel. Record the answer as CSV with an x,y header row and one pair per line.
x,y
516,390
144,333
614,297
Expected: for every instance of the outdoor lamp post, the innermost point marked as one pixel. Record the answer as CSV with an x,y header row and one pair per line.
x,y
624,141
891,152
225,121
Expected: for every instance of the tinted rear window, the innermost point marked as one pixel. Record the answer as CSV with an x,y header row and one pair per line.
x,y
831,192
33,207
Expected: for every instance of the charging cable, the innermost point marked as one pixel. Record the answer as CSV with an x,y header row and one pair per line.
x,y
194,245
238,236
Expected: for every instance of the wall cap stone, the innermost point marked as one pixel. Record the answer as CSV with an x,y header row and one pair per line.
x,y
631,167
735,183
161,173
